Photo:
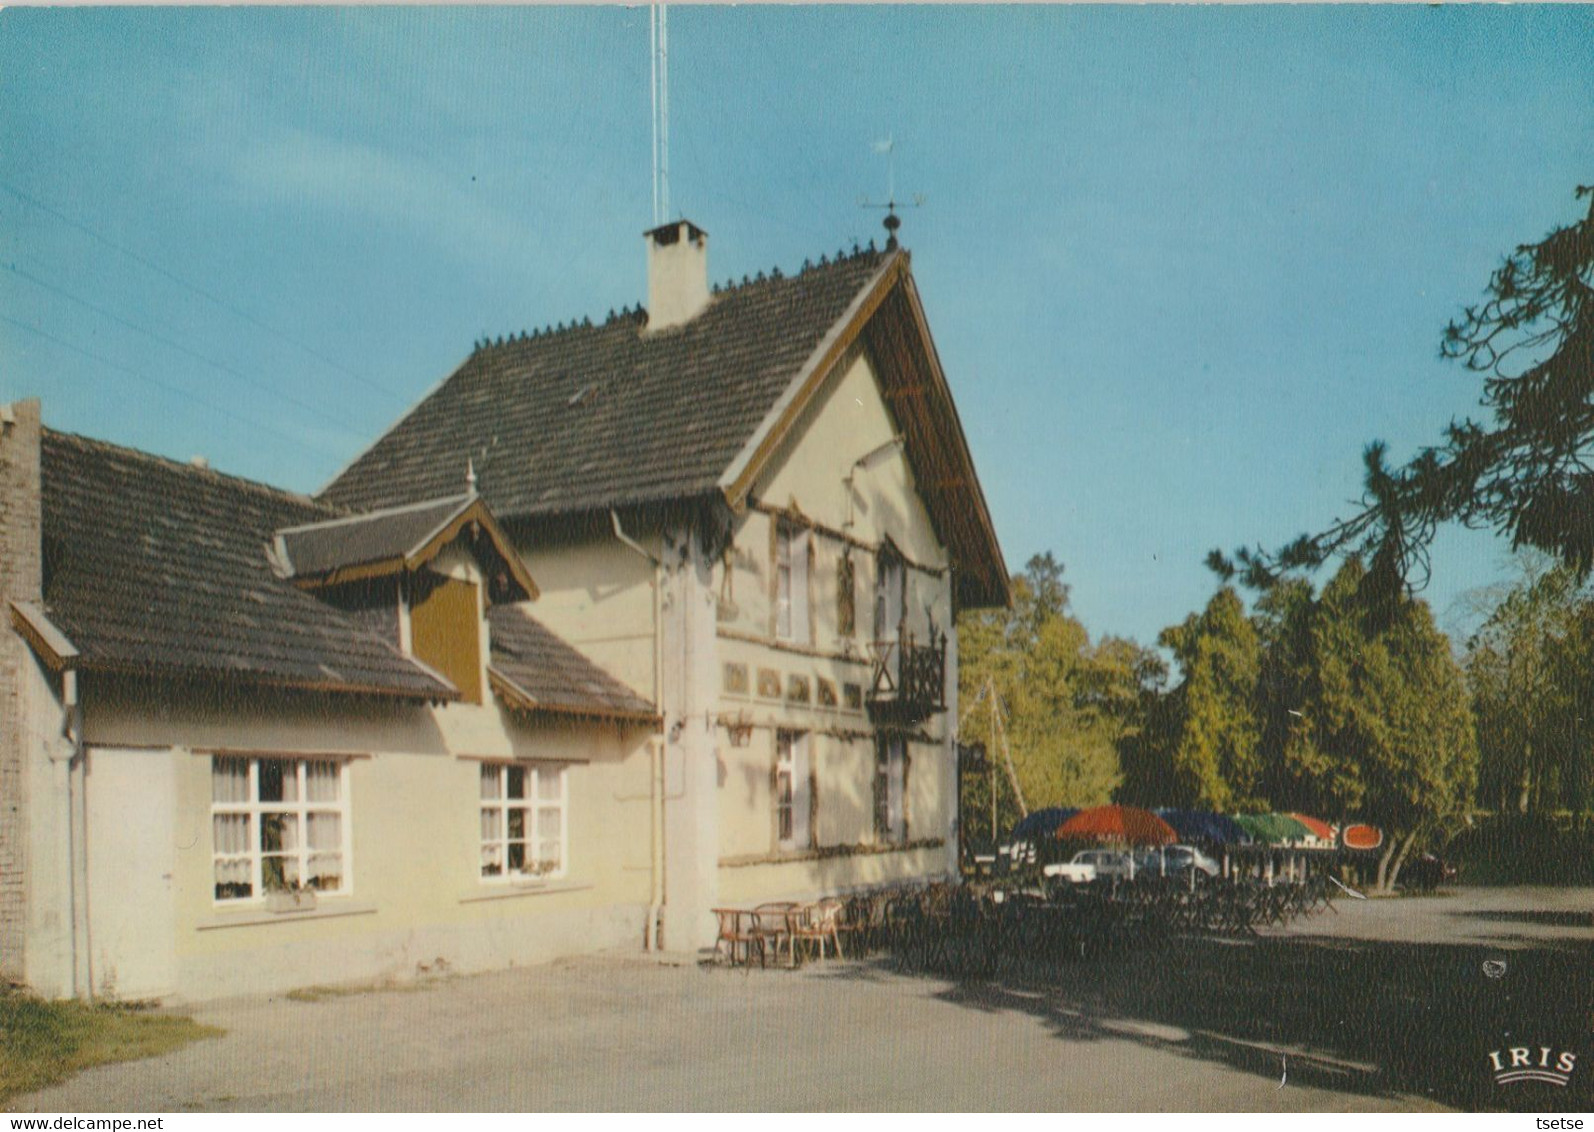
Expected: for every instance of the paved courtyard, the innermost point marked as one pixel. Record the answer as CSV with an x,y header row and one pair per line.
x,y
1385,1005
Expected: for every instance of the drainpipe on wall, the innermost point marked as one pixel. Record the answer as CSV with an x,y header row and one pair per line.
x,y
656,896
77,836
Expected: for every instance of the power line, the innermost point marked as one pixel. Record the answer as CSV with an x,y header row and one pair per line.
x,y
169,388
200,291
223,367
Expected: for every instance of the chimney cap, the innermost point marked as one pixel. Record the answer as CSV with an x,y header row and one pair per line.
x,y
670,232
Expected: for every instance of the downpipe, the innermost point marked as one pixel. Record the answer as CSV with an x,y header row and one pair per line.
x,y
651,935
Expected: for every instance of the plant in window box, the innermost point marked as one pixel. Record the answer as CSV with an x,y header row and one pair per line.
x,y
284,897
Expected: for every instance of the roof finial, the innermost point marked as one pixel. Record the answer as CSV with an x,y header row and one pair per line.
x,y
470,476
892,221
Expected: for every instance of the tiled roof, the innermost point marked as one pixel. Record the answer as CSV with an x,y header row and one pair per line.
x,y
155,566
354,540
546,674
594,417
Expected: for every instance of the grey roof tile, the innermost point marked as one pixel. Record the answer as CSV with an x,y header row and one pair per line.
x,y
554,675
609,416
155,566
355,540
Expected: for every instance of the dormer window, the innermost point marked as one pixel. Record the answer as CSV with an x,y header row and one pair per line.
x,y
439,566
446,629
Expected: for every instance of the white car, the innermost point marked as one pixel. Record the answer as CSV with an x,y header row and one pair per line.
x,y
1091,864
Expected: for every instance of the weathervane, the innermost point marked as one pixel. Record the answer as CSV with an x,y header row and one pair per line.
x,y
892,221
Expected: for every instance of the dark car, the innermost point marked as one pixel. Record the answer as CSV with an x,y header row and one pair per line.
x,y
1426,873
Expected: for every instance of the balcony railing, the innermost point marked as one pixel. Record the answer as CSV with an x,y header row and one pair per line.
x,y
909,678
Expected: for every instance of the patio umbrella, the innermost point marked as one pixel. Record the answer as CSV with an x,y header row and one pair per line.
x,y
1320,829
1118,823
1041,823
1271,829
1199,825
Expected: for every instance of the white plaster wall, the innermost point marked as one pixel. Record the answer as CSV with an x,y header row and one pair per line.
x,y
49,955
845,422
416,902
690,695
598,596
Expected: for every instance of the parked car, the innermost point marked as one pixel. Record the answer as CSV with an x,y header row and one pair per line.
x,y
1174,860
1426,873
1092,864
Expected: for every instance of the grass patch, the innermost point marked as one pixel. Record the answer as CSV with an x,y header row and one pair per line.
x,y
321,993
45,1042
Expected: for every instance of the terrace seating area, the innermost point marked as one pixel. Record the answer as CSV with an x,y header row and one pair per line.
x,y
981,930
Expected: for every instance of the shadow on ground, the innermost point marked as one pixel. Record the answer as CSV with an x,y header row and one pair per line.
x,y
1358,1016
1556,919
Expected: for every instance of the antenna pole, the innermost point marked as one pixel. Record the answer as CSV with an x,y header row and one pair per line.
x,y
653,102
664,102
659,39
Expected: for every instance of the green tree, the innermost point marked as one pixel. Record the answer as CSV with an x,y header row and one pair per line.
x,y
1065,702
1529,670
1525,474
1201,745
1383,728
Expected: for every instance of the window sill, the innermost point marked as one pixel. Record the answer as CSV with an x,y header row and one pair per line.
x,y
259,915
512,891
829,851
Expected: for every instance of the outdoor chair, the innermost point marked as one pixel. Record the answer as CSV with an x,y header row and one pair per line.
x,y
775,923
738,932
813,924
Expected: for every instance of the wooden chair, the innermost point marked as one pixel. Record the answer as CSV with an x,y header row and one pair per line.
x,y
738,930
775,922
820,922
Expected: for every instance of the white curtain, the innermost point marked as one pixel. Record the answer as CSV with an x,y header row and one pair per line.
x,y
322,781
229,780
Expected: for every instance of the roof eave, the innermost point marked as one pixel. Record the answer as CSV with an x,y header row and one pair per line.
x,y
471,509
518,699
444,693
999,585
48,642
738,479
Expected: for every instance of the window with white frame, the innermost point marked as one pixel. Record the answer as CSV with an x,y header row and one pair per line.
x,y
523,814
890,775
792,804
278,825
791,584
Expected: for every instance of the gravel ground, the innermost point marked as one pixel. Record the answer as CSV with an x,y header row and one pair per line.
x,y
1384,1006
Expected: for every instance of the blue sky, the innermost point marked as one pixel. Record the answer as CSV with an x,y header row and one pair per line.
x,y
1181,264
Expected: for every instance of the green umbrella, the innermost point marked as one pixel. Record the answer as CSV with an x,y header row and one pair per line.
x,y
1271,829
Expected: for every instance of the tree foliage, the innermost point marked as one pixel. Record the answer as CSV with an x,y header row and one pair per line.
x,y
1531,669
1065,701
1319,703
1202,746
1526,473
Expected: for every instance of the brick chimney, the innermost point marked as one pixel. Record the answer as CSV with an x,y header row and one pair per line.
x,y
21,579
677,273
21,574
